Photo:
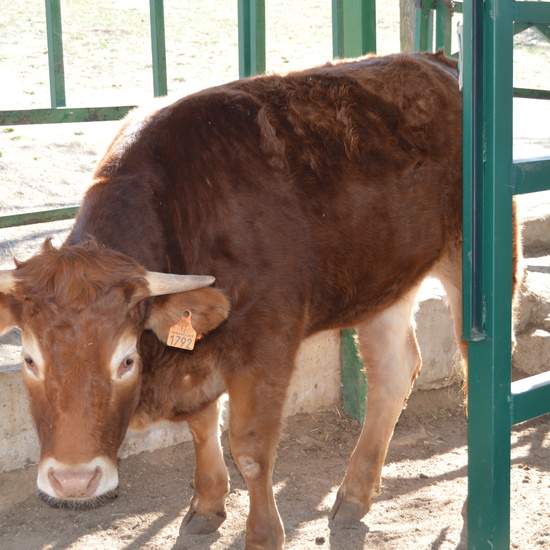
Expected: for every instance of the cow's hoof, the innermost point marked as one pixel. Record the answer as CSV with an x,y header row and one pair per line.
x,y
345,513
201,524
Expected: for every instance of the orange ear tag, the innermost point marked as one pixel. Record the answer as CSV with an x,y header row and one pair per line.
x,y
182,335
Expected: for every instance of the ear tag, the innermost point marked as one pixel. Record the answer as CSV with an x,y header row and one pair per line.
x,y
182,335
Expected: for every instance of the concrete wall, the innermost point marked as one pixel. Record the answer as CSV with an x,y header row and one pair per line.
x,y
441,362
18,442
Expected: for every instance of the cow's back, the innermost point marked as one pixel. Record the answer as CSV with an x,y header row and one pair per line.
x,y
374,149
322,195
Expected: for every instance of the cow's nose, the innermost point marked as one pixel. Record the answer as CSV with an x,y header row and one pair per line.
x,y
75,482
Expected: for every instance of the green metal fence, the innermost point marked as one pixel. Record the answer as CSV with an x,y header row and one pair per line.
x,y
354,33
491,178
434,28
424,36
58,112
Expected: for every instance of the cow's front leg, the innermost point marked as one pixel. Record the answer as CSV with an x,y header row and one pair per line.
x,y
207,510
256,405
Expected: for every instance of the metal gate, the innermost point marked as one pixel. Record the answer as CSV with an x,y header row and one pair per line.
x,y
491,178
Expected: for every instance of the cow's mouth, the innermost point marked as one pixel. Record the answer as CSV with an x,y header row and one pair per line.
x,y
78,503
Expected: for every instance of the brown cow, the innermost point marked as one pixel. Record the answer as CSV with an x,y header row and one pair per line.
x,y
318,200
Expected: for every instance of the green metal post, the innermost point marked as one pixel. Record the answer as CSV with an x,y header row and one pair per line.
x,y
488,68
443,26
55,53
251,37
353,35
423,34
354,382
473,152
158,47
353,27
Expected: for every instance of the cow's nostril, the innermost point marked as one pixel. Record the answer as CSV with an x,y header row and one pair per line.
x,y
74,482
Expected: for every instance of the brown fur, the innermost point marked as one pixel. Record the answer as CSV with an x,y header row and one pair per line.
x,y
318,200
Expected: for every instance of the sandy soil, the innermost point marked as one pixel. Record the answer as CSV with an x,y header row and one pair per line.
x,y
419,507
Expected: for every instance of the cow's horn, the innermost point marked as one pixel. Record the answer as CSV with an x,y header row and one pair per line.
x,y
7,281
167,283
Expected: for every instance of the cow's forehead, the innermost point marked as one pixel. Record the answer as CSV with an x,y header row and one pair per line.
x,y
107,311
91,334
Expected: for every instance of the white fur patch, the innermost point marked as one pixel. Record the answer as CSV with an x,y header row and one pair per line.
x,y
249,468
31,349
108,481
126,349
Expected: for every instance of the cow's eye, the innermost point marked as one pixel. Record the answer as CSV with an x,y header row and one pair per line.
x,y
125,367
31,366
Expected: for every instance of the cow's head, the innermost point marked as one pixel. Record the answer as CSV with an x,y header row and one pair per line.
x,y
82,311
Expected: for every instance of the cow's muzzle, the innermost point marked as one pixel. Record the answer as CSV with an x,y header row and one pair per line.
x,y
77,485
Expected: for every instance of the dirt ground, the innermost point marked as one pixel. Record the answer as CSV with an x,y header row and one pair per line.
x,y
419,507
424,480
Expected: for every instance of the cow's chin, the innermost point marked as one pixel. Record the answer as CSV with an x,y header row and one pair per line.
x,y
77,503
77,486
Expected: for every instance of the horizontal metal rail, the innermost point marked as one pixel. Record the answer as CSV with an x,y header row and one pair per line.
x,y
529,93
531,12
531,175
99,114
39,216
65,114
530,397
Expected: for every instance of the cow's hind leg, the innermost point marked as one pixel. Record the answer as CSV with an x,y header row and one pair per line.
x,y
449,272
207,510
392,361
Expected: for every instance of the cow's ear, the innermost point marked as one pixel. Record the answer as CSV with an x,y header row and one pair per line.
x,y
208,307
8,319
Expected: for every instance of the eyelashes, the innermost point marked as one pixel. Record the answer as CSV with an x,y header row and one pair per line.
x,y
30,365
126,366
